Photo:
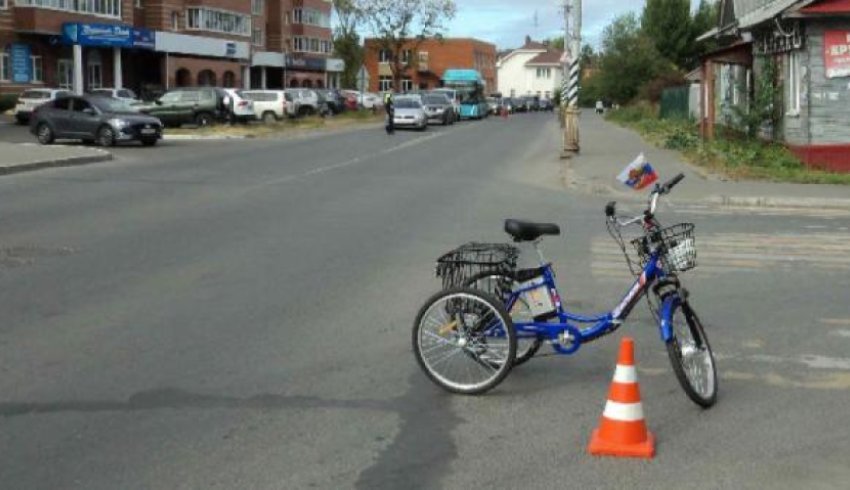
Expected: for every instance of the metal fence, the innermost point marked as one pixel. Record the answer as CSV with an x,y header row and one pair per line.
x,y
674,102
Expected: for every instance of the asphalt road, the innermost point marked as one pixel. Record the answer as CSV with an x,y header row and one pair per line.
x,y
237,315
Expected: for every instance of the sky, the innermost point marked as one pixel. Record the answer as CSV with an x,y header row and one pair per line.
x,y
507,22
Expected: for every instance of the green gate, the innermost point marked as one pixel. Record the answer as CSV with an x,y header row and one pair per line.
x,y
674,102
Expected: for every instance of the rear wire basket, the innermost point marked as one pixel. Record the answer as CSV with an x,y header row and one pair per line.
x,y
457,267
678,247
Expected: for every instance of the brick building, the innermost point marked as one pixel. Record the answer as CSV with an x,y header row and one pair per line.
x,y
152,45
428,63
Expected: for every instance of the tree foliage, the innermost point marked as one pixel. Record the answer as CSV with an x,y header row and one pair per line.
x,y
668,24
404,24
347,41
629,60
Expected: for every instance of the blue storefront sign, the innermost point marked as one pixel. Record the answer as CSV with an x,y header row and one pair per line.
x,y
143,38
104,35
21,63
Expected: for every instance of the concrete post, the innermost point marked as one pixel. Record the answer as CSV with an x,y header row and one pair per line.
x,y
78,69
246,77
117,77
263,79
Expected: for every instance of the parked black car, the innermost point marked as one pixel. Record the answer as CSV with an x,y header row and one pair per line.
x,y
533,103
547,105
197,105
93,118
520,104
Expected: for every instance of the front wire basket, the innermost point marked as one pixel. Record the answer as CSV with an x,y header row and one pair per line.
x,y
458,267
677,244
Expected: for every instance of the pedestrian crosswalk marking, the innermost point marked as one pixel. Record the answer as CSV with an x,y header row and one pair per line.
x,y
734,252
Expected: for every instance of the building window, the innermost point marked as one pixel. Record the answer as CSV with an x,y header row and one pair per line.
x,y
175,21
406,84
257,38
311,17
106,8
5,67
138,4
405,56
37,70
257,7
385,83
792,74
4,4
299,44
314,45
385,56
205,19
65,75
544,73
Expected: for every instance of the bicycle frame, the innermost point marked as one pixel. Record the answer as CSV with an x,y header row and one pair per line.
x,y
597,325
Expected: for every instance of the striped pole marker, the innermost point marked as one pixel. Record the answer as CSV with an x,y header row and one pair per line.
x,y
573,83
622,430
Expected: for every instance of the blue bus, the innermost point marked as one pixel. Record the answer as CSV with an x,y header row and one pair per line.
x,y
469,88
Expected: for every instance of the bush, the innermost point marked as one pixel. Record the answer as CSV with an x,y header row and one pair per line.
x,y
7,101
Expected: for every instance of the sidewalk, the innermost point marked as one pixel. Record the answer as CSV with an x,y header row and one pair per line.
x,y
20,157
607,148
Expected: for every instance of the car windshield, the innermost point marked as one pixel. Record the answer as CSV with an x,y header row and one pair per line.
x,y
111,105
407,104
436,100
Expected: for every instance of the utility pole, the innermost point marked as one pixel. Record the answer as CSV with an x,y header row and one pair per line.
x,y
571,74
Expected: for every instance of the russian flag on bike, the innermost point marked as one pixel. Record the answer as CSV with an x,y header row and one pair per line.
x,y
638,174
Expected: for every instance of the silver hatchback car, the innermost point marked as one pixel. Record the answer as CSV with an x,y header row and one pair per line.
x,y
408,112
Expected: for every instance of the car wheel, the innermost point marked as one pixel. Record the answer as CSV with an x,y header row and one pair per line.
x,y
105,136
203,119
269,117
150,142
44,134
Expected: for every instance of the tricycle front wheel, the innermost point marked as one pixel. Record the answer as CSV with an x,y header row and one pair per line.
x,y
691,356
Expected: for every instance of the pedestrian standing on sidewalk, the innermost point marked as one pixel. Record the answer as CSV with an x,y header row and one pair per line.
x,y
390,108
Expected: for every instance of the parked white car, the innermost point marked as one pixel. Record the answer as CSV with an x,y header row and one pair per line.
x,y
242,108
124,94
30,99
271,105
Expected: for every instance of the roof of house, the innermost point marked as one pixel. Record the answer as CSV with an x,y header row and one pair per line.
x,y
546,58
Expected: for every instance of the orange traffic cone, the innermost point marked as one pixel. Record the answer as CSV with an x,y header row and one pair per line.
x,y
622,431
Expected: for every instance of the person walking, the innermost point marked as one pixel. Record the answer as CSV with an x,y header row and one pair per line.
x,y
390,108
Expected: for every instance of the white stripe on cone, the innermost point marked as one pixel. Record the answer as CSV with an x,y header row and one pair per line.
x,y
624,412
625,374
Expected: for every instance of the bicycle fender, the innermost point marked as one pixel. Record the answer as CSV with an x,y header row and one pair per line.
x,y
671,301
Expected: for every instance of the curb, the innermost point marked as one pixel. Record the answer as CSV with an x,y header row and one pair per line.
x,y
57,162
777,202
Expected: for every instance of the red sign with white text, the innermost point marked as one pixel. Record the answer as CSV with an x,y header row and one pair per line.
x,y
836,53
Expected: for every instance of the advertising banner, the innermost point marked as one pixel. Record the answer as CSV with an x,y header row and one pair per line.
x,y
106,35
19,55
836,53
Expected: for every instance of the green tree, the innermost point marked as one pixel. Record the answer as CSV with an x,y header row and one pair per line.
x,y
557,43
629,60
668,24
705,18
347,41
398,25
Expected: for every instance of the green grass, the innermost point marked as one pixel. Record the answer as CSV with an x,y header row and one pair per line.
x,y
730,154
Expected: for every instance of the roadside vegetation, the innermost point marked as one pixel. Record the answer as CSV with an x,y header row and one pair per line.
x,y
731,153
286,126
643,55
